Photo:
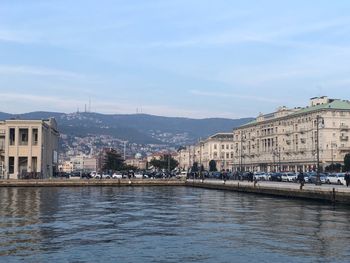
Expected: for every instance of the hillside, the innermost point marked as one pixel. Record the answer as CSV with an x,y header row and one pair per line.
x,y
137,128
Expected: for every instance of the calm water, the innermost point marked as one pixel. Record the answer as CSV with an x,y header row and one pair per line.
x,y
164,224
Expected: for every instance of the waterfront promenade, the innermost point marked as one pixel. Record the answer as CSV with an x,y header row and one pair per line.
x,y
328,193
325,192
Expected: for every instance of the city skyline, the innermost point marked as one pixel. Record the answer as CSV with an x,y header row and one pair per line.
x,y
174,58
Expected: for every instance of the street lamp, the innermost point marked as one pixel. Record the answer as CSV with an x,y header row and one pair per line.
x,y
319,120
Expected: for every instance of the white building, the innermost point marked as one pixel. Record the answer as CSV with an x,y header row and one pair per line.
x,y
218,148
28,148
287,139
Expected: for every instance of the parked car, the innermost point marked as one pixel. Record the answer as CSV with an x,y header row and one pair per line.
x,y
117,176
102,176
289,177
215,175
182,174
246,176
336,178
261,176
275,177
313,178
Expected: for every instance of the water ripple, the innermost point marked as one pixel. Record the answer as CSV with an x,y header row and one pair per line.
x,y
163,224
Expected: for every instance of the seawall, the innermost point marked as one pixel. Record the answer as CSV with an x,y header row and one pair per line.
x,y
328,193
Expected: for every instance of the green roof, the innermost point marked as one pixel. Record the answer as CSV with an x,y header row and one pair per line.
x,y
336,104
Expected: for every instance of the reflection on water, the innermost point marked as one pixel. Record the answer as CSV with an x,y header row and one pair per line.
x,y
164,224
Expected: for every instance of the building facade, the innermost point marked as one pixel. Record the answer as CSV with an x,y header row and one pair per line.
x,y
28,148
218,147
295,139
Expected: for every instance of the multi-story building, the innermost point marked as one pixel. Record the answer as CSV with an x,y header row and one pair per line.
x,y
28,148
294,139
79,163
218,148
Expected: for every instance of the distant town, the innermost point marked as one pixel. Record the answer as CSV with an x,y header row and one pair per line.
x,y
297,139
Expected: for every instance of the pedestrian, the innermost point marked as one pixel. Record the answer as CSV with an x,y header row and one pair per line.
x,y
301,180
347,179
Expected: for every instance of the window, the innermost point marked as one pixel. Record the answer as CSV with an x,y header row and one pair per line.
x,y
223,147
11,165
215,147
227,146
23,135
227,155
12,136
35,136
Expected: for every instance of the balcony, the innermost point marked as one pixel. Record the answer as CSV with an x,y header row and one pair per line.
x,y
288,141
344,148
344,126
344,138
303,140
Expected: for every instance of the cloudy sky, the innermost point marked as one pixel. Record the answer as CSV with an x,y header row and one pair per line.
x,y
194,58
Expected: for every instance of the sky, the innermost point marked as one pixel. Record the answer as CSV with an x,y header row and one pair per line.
x,y
184,58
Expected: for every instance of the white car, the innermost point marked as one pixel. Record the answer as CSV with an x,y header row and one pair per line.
x,y
289,177
117,176
138,176
261,176
103,176
337,178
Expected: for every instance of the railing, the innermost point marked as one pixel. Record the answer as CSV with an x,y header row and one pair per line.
x,y
344,126
344,148
344,138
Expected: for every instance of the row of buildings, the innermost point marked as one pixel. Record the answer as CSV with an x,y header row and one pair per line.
x,y
285,140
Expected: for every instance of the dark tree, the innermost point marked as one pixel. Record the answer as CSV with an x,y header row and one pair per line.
x,y
195,167
165,162
335,167
347,162
113,161
212,166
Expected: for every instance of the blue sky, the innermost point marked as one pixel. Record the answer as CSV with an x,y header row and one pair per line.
x,y
193,58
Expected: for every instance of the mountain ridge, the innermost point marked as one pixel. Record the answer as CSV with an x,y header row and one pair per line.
x,y
139,128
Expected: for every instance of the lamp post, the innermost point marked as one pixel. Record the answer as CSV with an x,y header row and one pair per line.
x,y
241,157
318,119
333,145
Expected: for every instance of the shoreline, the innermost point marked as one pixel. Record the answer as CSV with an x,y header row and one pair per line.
x,y
327,193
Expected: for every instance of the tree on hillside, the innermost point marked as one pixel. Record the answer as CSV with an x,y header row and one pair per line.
x,y
165,162
212,166
347,162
